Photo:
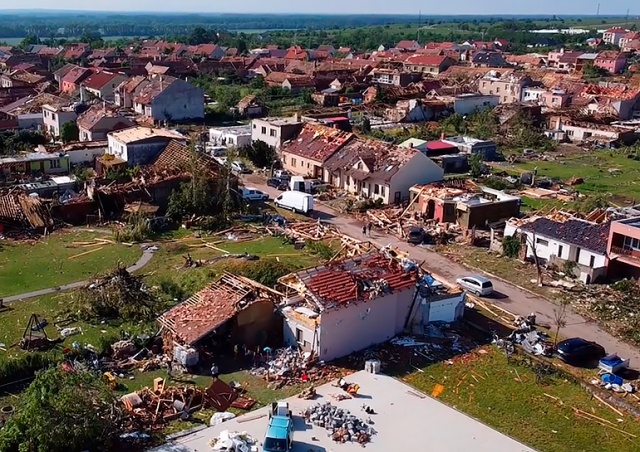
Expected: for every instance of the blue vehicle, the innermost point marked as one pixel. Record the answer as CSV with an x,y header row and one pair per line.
x,y
279,436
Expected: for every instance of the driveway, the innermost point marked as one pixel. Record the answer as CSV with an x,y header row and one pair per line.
x,y
514,299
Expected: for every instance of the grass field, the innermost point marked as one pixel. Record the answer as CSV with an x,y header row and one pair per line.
x,y
30,266
507,397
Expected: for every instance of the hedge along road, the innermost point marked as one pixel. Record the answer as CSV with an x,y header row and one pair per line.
x,y
147,254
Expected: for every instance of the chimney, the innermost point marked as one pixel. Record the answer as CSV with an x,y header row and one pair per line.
x,y
411,145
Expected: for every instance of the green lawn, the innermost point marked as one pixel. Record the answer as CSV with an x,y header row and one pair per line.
x,y
30,266
507,397
604,172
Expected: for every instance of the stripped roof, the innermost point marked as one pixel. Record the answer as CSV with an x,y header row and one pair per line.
x,y
364,278
22,211
200,315
129,86
154,88
76,75
317,142
134,134
96,113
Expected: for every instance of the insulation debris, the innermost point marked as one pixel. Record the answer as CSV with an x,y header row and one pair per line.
x,y
233,441
289,366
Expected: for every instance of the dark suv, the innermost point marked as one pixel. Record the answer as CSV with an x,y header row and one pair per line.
x,y
416,236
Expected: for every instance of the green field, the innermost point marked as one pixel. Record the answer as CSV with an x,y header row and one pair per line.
x,y
608,173
30,266
506,396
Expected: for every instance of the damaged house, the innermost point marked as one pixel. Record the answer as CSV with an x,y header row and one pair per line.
x,y
378,170
469,207
349,305
233,310
563,239
20,212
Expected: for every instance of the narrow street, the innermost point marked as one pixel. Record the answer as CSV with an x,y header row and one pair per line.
x,y
510,297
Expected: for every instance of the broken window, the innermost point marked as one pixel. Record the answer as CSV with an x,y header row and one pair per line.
x,y
264,130
592,261
299,335
542,242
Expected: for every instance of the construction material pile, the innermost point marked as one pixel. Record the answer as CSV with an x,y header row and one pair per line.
x,y
616,306
289,366
341,425
233,441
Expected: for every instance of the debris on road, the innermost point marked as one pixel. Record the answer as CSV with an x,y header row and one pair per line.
x,y
341,425
233,441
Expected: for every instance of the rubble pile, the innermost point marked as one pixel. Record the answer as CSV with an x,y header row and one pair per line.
x,y
341,425
289,366
617,306
399,221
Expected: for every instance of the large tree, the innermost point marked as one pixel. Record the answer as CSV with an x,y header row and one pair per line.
x,y
61,411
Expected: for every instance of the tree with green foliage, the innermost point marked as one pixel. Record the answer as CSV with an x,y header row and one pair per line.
x,y
453,125
259,153
61,411
511,246
28,41
476,166
69,132
590,70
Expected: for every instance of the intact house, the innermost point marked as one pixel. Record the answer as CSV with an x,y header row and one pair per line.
x,y
35,163
55,116
395,77
623,248
348,305
103,84
170,99
488,60
428,64
233,310
250,106
508,86
469,207
569,240
613,35
275,131
95,123
238,136
72,79
408,46
306,153
140,145
375,170
128,90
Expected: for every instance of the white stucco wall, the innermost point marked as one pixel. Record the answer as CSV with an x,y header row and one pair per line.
x,y
419,170
546,248
468,105
85,155
178,101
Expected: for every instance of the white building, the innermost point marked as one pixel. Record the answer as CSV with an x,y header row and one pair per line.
x,y
466,104
573,240
230,136
275,131
55,116
140,145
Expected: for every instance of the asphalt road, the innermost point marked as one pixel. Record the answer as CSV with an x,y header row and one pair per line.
x,y
510,297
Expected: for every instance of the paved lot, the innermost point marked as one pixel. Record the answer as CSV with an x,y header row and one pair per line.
x,y
405,421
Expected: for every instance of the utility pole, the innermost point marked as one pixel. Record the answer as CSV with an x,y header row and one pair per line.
x,y
598,12
419,24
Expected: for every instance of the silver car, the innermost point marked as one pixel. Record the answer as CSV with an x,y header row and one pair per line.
x,y
476,284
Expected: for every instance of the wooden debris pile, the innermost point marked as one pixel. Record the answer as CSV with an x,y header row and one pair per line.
x,y
311,230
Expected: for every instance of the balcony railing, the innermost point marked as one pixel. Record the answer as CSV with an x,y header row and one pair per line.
x,y
626,252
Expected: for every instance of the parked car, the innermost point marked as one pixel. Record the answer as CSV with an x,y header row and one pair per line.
x,y
282,174
278,183
317,185
579,352
416,235
239,167
296,201
253,194
476,284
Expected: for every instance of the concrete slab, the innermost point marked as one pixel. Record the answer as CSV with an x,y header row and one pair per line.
x,y
405,420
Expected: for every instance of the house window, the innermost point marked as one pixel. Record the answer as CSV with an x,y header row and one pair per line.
x,y
592,261
264,131
293,162
376,189
54,164
560,251
307,164
542,242
484,84
299,335
504,99
497,90
381,190
255,126
272,132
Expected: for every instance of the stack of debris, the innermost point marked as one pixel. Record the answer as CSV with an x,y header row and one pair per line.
x,y
232,441
307,230
341,425
289,366
22,213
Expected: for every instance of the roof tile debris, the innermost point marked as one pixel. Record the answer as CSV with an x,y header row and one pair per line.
x,y
95,114
154,88
204,312
317,142
17,210
359,279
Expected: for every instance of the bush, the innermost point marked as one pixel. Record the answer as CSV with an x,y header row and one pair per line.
x,y
26,366
569,269
172,289
321,249
511,246
264,271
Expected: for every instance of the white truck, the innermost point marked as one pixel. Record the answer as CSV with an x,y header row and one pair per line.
x,y
298,183
295,201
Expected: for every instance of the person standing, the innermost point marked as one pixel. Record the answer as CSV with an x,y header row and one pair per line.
x,y
215,371
369,226
364,230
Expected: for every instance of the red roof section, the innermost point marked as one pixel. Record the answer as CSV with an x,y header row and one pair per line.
x,y
317,142
616,30
439,145
426,60
99,80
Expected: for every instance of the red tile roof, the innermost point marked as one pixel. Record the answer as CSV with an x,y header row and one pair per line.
x,y
76,75
610,55
99,80
439,145
96,113
339,284
317,142
616,30
426,60
407,45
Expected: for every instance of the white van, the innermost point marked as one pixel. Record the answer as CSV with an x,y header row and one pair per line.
x,y
295,201
297,183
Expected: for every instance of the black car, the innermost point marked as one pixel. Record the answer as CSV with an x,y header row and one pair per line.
x,y
416,236
277,183
579,352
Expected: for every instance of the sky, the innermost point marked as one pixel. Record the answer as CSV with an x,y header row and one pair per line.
x,y
340,6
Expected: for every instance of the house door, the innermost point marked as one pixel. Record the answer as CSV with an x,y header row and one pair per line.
x,y
397,198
